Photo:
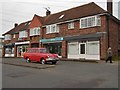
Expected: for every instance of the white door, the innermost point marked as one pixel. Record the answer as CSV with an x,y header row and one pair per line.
x,y
82,50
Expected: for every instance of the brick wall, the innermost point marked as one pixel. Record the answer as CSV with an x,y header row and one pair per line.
x,y
35,23
64,49
114,36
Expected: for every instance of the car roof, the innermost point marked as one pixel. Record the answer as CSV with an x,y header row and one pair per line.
x,y
35,48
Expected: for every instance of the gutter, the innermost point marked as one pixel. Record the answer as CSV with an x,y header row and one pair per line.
x,y
75,19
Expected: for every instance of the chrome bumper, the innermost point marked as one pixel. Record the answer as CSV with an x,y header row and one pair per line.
x,y
52,59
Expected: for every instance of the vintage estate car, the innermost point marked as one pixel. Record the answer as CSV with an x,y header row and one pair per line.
x,y
40,55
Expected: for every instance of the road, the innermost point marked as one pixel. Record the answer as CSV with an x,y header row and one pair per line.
x,y
66,74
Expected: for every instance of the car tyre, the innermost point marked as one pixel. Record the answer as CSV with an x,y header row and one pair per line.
x,y
43,61
28,60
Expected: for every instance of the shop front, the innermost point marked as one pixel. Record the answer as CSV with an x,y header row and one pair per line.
x,y
21,48
9,50
83,47
53,45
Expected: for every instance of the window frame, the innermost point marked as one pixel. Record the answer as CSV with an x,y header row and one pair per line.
x,y
35,31
23,34
71,25
90,21
54,28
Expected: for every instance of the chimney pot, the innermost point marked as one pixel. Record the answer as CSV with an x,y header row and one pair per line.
x,y
110,6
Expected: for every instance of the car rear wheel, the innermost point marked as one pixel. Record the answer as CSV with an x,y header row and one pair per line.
x,y
28,60
43,61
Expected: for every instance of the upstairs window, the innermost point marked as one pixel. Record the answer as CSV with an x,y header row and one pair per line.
x,y
35,31
23,34
71,25
8,37
52,29
90,21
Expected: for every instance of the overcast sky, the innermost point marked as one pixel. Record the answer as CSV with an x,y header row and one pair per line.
x,y
17,11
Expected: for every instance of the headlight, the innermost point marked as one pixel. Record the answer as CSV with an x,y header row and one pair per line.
x,y
48,56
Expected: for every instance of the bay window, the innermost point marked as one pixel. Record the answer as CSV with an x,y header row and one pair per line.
x,y
52,28
35,31
8,37
90,21
23,34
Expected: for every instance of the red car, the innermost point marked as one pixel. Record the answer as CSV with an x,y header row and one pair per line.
x,y
40,55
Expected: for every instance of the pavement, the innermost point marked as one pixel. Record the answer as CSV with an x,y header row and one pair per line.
x,y
22,62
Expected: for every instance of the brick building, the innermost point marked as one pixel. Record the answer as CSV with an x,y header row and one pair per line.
x,y
83,32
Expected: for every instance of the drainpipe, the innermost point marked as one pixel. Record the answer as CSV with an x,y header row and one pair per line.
x,y
42,34
108,33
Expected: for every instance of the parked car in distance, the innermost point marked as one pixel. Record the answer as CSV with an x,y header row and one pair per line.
x,y
40,55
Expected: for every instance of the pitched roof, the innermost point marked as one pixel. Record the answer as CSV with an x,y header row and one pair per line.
x,y
74,13
22,26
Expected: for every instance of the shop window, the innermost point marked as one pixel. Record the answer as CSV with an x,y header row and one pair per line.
x,y
73,48
93,48
9,51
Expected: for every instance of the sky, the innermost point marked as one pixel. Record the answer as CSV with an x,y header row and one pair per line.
x,y
18,11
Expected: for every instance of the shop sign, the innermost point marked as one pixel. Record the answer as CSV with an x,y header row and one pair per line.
x,y
52,39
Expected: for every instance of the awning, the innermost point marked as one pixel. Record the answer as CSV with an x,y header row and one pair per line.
x,y
83,37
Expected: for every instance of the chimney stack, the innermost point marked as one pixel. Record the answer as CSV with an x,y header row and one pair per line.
x,y
110,6
15,25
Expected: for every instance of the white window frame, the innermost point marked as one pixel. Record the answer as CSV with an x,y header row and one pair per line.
x,y
8,37
85,22
71,25
35,31
54,28
23,34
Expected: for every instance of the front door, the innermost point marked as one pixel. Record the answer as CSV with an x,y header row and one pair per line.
x,y
82,50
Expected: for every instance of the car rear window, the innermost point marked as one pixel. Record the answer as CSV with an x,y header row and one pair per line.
x,y
43,50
